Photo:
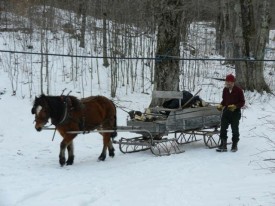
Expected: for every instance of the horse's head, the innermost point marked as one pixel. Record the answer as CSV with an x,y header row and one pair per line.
x,y
41,111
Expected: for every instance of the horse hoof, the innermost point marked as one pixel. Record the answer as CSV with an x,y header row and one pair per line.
x,y
70,160
101,158
62,161
112,153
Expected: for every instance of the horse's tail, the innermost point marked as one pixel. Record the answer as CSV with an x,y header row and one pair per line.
x,y
114,134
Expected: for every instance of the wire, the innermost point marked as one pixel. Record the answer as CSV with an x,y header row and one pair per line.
x,y
158,58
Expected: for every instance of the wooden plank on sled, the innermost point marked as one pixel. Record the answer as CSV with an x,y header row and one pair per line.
x,y
193,119
160,108
167,95
172,95
196,112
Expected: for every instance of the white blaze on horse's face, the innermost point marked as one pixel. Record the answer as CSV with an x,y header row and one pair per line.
x,y
38,109
40,118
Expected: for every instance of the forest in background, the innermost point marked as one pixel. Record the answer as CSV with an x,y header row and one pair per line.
x,y
117,29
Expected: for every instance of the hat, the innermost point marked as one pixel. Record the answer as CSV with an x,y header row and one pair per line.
x,y
230,78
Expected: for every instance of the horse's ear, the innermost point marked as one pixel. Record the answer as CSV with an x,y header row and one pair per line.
x,y
33,112
33,109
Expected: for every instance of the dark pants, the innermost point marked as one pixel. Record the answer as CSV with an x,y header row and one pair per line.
x,y
233,119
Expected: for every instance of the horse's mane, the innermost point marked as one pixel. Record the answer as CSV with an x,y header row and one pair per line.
x,y
76,103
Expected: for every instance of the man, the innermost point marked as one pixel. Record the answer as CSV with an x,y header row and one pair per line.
x,y
232,102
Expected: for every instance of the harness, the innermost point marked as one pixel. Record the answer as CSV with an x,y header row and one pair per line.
x,y
67,106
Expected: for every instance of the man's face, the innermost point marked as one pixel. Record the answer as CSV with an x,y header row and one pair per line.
x,y
229,84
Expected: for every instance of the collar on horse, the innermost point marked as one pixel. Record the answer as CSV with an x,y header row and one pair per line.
x,y
67,105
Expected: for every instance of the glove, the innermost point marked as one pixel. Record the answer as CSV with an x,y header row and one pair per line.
x,y
232,107
220,107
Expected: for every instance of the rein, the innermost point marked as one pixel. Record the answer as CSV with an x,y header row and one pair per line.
x,y
49,128
66,113
54,134
122,108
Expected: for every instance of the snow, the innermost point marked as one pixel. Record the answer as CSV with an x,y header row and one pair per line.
x,y
30,173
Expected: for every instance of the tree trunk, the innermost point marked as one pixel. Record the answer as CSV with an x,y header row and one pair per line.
x,y
250,43
83,12
242,33
169,20
224,28
105,60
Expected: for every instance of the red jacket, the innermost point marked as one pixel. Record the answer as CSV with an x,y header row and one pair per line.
x,y
235,97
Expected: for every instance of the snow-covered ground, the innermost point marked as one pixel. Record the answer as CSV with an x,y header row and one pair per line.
x,y
30,174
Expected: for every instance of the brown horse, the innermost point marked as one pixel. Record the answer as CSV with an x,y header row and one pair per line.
x,y
68,113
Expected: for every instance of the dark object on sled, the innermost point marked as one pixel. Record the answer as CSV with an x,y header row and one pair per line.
x,y
186,96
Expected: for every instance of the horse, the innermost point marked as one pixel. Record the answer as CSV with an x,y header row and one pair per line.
x,y
67,113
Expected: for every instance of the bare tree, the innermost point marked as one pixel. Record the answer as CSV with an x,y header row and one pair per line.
x,y
105,59
225,24
169,21
83,13
242,32
250,42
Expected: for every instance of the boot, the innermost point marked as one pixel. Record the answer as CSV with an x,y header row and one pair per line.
x,y
234,147
223,146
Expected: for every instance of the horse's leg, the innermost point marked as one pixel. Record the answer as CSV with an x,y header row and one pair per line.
x,y
111,149
63,145
70,149
106,140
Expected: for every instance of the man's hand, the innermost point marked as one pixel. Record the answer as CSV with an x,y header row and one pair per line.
x,y
220,107
232,107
